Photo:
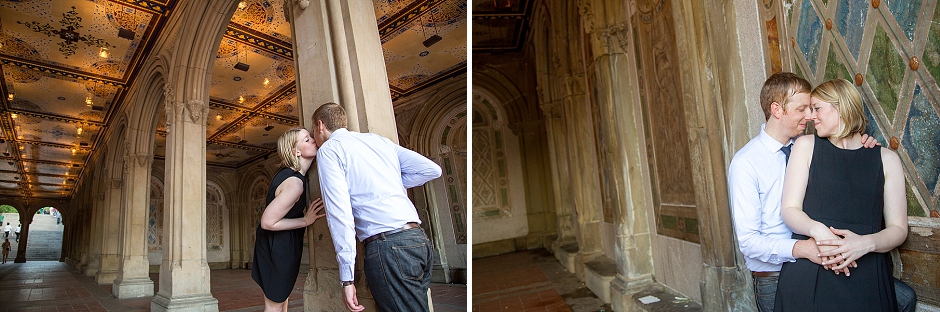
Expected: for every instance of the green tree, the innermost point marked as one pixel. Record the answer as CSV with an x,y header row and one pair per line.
x,y
7,209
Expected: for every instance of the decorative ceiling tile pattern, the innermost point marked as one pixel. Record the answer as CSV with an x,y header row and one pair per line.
x,y
882,49
500,25
66,65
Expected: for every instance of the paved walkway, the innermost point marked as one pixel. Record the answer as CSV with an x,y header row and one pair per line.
x,y
54,286
529,281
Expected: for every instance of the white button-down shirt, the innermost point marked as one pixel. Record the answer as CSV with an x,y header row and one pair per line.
x,y
755,184
363,178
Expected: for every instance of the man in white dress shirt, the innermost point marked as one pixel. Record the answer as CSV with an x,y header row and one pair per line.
x,y
363,177
755,184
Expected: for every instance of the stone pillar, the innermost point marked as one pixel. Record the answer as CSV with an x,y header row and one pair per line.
x,y
558,154
27,219
184,272
110,229
95,230
619,107
338,58
134,271
582,154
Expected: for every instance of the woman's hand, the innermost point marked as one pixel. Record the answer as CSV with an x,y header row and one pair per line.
x,y
315,207
848,249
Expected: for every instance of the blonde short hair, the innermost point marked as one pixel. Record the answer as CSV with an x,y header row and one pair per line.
x,y
779,88
285,148
845,98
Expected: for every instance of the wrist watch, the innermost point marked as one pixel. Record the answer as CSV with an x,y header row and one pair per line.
x,y
347,283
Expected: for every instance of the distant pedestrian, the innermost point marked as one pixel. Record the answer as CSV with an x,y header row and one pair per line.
x,y
7,229
6,249
18,226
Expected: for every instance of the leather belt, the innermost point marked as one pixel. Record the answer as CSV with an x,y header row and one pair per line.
x,y
407,226
766,274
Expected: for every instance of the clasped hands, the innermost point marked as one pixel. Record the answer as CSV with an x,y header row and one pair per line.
x,y
839,253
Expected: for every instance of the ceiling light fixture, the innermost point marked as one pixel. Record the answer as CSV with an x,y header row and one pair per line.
x,y
79,130
434,38
103,53
241,99
13,115
266,82
73,151
218,116
88,101
242,5
10,96
242,66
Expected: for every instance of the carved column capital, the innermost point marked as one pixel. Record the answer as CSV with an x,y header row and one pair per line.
x,y
197,110
143,160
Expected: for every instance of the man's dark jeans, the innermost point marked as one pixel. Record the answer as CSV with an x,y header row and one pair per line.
x,y
765,290
398,269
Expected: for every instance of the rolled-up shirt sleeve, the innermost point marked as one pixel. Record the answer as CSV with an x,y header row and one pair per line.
x,y
415,168
339,215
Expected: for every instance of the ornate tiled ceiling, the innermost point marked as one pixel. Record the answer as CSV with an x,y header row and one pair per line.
x,y
500,25
65,67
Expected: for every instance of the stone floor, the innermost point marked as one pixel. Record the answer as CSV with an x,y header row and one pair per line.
x,y
54,286
529,281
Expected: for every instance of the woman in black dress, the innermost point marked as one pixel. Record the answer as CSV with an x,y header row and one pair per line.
x,y
279,242
851,200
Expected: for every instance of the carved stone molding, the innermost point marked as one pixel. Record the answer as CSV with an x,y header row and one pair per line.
x,y
197,110
117,183
584,9
171,109
618,34
143,160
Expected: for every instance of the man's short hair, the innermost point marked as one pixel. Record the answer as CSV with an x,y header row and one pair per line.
x,y
845,98
779,88
332,115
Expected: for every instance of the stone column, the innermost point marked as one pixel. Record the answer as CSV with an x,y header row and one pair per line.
x,y
561,178
110,229
582,154
95,231
27,219
134,271
184,272
338,58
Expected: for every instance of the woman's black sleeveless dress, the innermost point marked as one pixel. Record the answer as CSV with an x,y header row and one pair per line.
x,y
277,253
846,191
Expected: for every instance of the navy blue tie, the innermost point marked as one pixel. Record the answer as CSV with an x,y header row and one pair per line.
x,y
786,151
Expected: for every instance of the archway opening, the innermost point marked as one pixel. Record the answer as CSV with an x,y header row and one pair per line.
x,y
9,221
45,235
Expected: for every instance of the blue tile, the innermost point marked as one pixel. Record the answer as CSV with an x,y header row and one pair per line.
x,y
850,20
809,35
922,139
873,130
905,12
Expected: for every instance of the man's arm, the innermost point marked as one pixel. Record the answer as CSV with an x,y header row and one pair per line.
x,y
339,215
746,212
415,168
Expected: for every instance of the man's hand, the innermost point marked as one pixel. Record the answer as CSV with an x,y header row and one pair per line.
x,y
315,207
869,142
807,249
349,297
845,251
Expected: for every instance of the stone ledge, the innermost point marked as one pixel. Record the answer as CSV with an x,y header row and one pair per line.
x,y
669,300
598,274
